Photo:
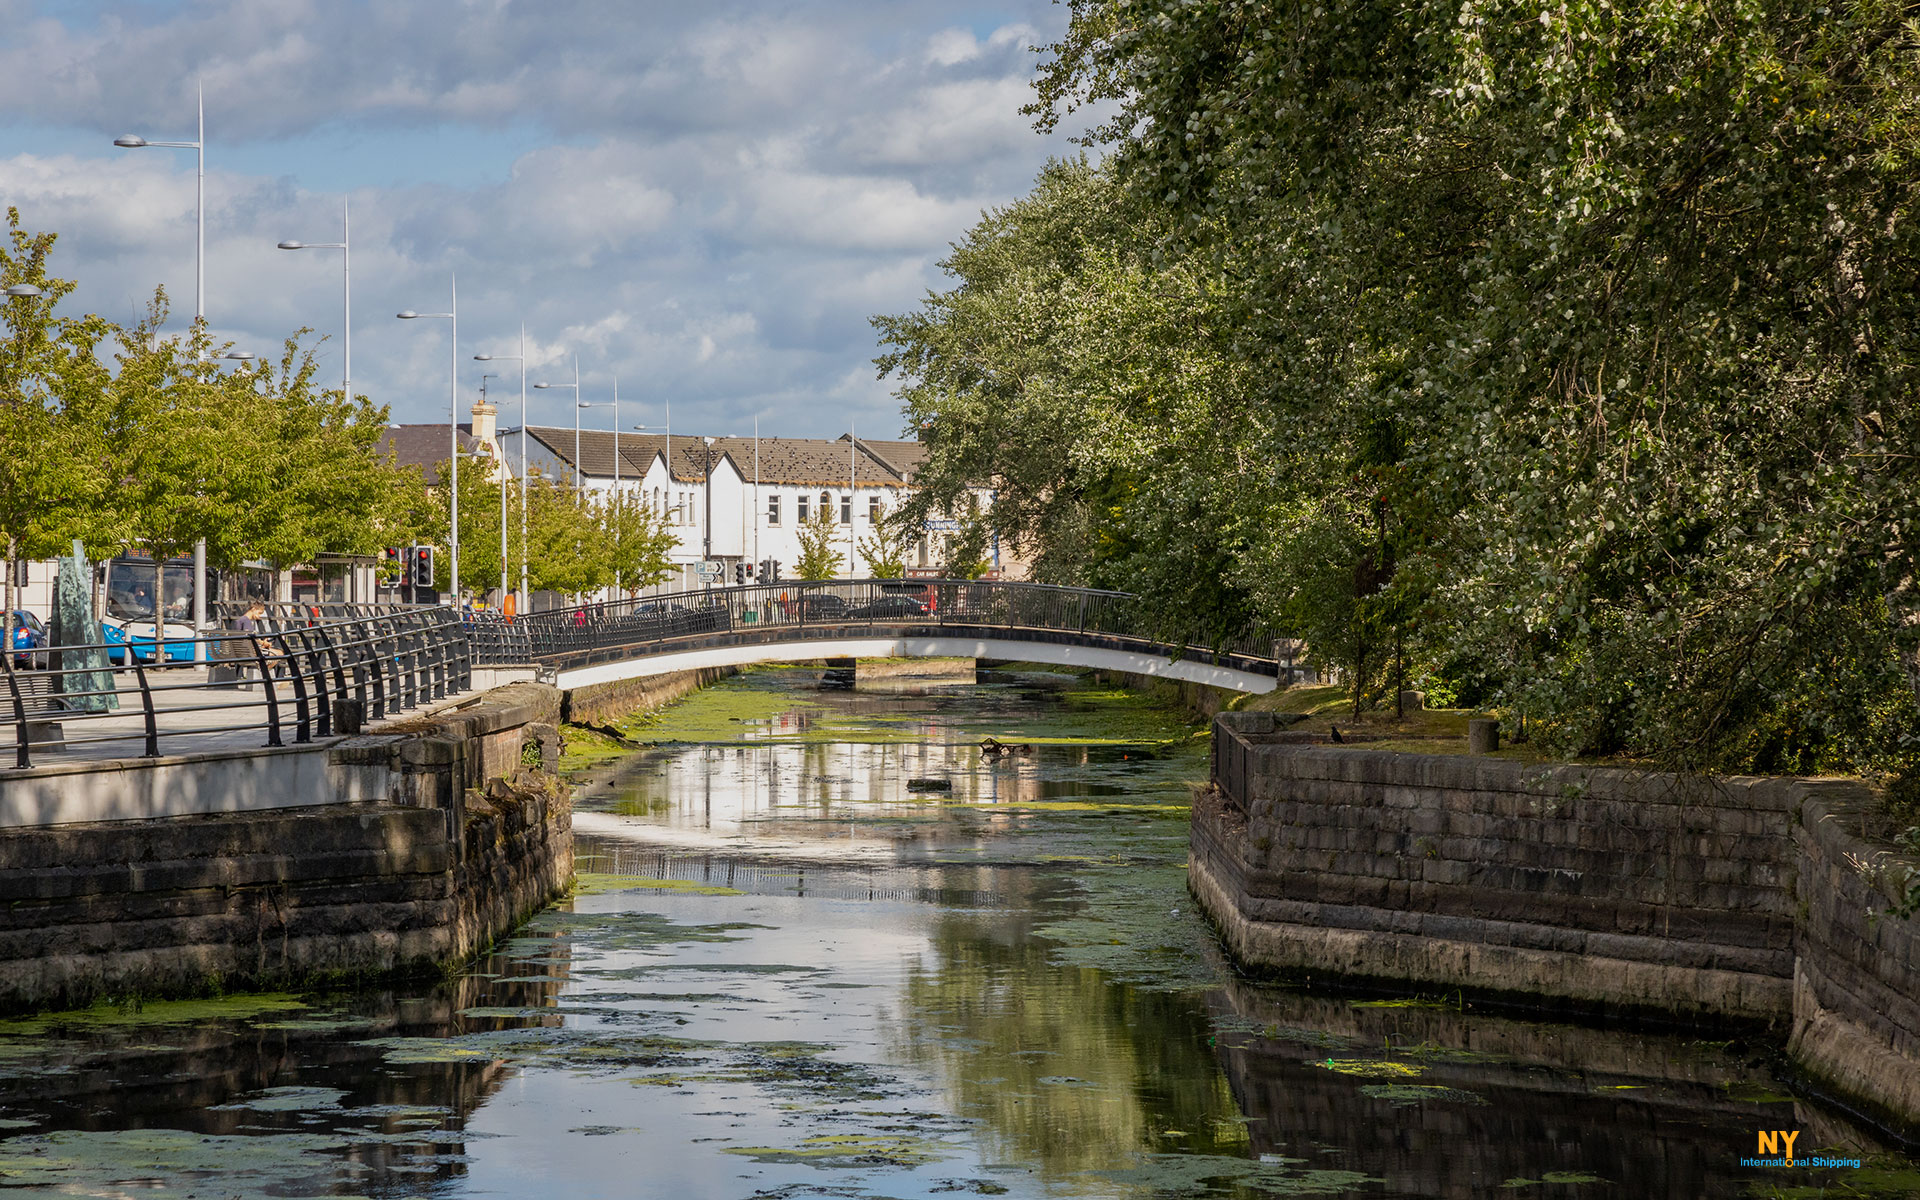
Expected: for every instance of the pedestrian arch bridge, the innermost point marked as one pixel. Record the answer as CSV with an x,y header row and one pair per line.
x,y
1069,627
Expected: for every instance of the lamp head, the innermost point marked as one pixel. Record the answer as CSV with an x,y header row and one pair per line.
x,y
477,357
293,245
541,386
24,289
130,142
408,315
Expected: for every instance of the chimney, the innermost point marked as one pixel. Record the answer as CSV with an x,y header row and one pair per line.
x,y
483,423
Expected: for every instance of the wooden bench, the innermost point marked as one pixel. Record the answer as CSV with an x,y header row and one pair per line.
x,y
230,660
40,695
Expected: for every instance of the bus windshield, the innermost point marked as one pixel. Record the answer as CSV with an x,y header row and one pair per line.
x,y
131,590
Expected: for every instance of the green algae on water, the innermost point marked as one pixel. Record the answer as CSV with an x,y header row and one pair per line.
x,y
850,1151
107,1015
591,884
1224,1175
1402,1095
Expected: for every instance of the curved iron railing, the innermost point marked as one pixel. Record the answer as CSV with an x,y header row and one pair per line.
x,y
573,637
286,678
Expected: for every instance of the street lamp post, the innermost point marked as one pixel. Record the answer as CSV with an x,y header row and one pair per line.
x,y
707,534
520,358
575,385
346,297
453,428
199,147
578,405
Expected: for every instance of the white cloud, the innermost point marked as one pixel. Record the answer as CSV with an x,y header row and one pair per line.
x,y
708,201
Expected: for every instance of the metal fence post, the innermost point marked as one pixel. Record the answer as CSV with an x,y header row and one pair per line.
x,y
146,700
266,681
21,759
303,716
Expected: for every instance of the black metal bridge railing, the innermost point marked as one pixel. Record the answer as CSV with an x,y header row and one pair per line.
x,y
285,678
288,676
574,637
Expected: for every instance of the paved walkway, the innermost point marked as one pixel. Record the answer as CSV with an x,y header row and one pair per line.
x,y
193,717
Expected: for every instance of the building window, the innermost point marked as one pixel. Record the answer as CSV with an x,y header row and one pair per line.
x,y
773,508
846,510
800,508
873,509
826,506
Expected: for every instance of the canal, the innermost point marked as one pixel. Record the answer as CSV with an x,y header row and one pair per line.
x,y
823,946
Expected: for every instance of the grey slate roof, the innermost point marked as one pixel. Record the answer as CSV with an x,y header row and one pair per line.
x,y
793,462
423,447
902,457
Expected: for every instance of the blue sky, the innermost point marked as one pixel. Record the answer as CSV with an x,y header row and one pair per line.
x,y
706,200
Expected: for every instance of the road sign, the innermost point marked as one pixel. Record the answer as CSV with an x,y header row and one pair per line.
x,y
709,570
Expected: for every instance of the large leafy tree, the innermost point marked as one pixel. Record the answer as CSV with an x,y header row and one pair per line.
x,y
1583,337
1089,381
54,472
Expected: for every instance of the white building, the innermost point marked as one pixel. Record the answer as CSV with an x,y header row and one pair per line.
x,y
741,500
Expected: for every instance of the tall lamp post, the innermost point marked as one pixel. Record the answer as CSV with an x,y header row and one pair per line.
x,y
453,428
346,297
707,534
199,147
615,405
575,385
520,358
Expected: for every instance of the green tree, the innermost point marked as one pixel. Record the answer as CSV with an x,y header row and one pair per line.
x,y
1635,291
567,549
54,473
479,509
1093,383
638,539
885,550
818,557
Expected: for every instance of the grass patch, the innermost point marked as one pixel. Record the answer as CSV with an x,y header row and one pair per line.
x,y
591,884
588,748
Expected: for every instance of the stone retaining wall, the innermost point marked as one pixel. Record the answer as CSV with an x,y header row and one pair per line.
x,y
469,841
598,703
1600,890
1856,980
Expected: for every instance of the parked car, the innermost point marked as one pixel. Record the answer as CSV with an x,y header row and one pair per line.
x,y
889,608
819,606
29,634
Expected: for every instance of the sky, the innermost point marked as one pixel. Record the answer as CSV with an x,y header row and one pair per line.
x,y
706,201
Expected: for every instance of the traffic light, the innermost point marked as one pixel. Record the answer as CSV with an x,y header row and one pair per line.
x,y
776,570
391,562
423,566
761,573
740,573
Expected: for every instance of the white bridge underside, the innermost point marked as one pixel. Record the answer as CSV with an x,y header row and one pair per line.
x,y
1009,649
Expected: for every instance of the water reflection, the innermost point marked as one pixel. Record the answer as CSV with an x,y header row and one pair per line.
x,y
1067,1072
790,973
